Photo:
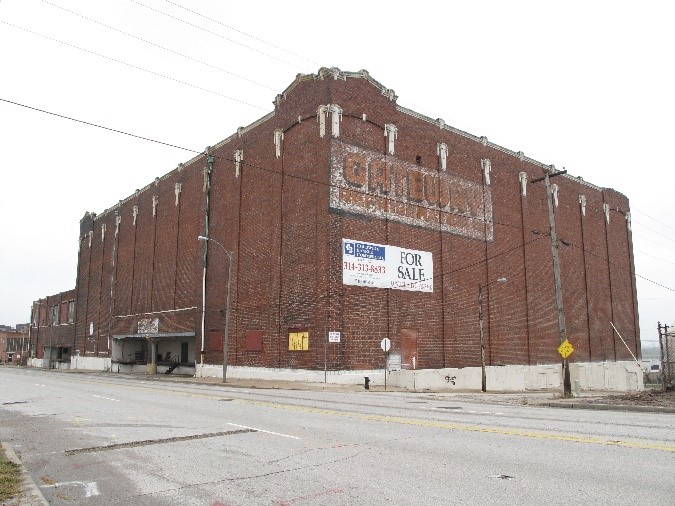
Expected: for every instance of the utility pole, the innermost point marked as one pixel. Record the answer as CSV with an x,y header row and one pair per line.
x,y
665,355
567,382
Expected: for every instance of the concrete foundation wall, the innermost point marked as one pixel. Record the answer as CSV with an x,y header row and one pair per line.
x,y
611,376
607,376
91,363
617,376
301,375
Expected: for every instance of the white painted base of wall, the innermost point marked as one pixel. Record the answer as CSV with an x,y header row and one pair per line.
x,y
91,363
143,369
619,376
302,375
606,376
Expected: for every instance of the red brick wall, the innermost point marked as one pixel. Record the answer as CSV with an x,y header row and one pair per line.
x,y
287,243
59,333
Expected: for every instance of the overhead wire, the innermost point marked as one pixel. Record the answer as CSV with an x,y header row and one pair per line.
x,y
669,238
642,252
134,66
197,27
240,31
295,176
189,84
652,218
158,46
99,126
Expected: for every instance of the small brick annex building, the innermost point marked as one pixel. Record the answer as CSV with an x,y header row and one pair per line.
x,y
346,213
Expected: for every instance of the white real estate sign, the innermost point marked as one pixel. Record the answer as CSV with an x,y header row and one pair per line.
x,y
382,266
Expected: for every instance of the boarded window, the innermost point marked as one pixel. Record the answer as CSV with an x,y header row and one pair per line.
x,y
253,340
215,340
298,340
71,311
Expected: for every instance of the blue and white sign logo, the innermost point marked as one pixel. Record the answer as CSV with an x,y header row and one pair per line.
x,y
365,250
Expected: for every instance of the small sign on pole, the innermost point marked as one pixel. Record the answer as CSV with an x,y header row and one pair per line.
x,y
333,337
565,349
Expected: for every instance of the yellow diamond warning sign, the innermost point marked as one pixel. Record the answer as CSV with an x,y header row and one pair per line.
x,y
565,349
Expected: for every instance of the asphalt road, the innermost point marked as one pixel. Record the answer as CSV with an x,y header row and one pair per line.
x,y
110,439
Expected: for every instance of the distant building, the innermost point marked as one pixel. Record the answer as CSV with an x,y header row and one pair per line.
x,y
13,347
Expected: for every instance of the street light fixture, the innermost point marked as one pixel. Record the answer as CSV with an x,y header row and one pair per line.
x,y
480,320
227,304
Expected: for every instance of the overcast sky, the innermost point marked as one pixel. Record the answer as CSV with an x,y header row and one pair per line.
x,y
584,85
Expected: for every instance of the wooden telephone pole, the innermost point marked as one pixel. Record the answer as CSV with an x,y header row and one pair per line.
x,y
567,382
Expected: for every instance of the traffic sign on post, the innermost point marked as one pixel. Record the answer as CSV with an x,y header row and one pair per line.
x,y
565,349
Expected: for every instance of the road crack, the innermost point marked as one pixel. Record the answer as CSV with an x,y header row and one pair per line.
x,y
148,442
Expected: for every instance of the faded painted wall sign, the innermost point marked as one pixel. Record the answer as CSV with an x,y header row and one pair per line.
x,y
380,266
372,184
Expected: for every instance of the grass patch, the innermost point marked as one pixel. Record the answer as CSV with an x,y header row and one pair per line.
x,y
10,478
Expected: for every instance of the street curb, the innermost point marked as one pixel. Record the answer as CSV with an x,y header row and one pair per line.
x,y
607,407
30,493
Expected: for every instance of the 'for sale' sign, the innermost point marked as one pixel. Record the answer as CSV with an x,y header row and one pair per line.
x,y
382,266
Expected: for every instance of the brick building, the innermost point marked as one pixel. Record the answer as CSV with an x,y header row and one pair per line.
x,y
51,334
13,347
310,199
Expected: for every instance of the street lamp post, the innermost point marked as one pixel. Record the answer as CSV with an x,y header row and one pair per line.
x,y
227,303
483,378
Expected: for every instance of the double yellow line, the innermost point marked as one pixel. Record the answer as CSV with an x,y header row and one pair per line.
x,y
462,427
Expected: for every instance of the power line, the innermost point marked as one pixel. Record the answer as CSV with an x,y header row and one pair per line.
x,y
652,240
134,66
609,262
100,126
651,218
322,184
241,32
153,44
212,33
655,257
669,238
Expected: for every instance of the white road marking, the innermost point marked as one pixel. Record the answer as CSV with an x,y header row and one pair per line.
x,y
265,431
106,398
90,487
